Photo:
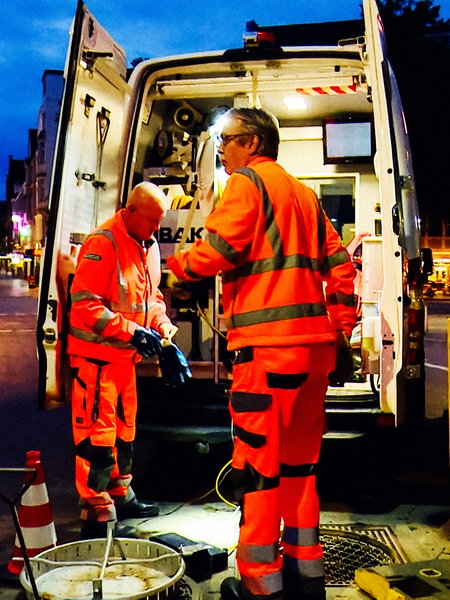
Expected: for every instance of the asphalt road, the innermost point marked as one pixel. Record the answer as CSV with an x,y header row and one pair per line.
x,y
436,362
23,427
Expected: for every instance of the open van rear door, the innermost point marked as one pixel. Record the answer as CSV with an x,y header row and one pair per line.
x,y
389,112
399,207
86,182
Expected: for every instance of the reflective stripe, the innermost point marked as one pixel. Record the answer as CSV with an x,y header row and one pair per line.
x,y
103,321
151,306
280,313
340,258
306,568
328,90
190,272
265,585
272,230
119,482
339,298
106,232
98,512
135,307
123,305
260,554
223,247
83,295
301,537
88,336
273,263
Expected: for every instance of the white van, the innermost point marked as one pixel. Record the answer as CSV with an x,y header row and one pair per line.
x,y
343,133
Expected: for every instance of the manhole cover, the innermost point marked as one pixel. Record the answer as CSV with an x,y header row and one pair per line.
x,y
350,547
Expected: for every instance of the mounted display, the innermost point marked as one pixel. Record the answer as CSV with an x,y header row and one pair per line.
x,y
348,140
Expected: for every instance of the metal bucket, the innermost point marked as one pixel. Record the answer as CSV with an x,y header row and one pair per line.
x,y
136,568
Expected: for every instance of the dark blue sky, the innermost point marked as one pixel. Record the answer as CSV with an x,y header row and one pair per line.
x,y
34,36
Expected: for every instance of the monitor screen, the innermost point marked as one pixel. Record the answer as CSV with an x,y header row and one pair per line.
x,y
348,140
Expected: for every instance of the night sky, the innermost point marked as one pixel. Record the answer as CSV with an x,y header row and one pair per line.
x,y
34,36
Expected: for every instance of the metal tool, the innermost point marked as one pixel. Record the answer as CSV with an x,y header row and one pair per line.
x,y
98,583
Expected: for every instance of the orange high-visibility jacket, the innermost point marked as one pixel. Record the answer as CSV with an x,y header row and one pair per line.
x,y
115,288
275,247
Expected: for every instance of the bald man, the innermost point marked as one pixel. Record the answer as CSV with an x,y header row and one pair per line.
x,y
117,316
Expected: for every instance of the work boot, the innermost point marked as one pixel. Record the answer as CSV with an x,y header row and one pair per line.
x,y
92,530
232,589
303,588
136,510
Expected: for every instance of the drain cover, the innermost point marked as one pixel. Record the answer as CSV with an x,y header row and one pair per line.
x,y
350,547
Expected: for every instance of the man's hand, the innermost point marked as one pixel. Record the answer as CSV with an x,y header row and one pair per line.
x,y
146,341
343,370
168,330
178,288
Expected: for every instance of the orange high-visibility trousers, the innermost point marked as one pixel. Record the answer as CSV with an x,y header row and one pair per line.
x,y
104,405
277,408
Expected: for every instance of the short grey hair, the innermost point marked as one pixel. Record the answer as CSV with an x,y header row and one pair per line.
x,y
260,123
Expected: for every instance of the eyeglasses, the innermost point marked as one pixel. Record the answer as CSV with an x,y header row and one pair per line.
x,y
224,140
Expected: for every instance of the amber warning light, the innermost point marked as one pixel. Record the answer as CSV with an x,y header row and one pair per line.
x,y
257,39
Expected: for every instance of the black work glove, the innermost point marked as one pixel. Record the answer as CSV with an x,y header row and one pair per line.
x,y
189,290
173,364
146,341
343,369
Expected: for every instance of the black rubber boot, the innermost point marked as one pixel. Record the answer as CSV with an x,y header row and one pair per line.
x,y
232,589
136,510
93,530
303,588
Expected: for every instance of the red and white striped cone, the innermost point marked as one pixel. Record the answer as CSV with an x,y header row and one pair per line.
x,y
35,517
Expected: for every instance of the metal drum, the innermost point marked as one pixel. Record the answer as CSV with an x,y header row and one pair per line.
x,y
124,569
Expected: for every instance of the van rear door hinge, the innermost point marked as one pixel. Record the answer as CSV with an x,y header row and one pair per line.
x,y
89,58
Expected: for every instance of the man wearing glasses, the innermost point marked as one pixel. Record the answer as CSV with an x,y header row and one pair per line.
x,y
276,249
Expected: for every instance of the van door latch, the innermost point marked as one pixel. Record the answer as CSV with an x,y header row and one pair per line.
x,y
90,177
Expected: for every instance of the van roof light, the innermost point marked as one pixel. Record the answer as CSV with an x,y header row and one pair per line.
x,y
253,38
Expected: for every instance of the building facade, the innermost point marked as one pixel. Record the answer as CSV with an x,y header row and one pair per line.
x,y
28,181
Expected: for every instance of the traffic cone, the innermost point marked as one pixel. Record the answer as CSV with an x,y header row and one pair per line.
x,y
35,517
